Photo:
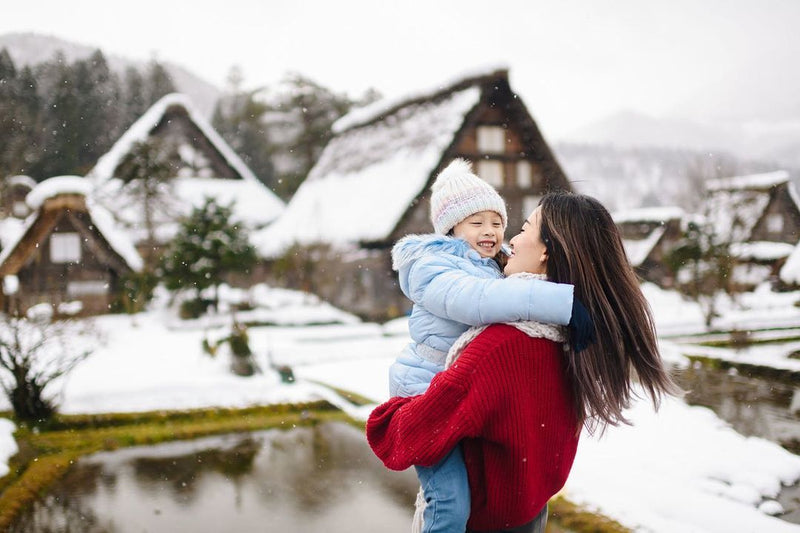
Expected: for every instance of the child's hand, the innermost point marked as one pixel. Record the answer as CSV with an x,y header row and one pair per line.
x,y
581,327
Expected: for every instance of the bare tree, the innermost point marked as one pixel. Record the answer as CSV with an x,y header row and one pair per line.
x,y
34,352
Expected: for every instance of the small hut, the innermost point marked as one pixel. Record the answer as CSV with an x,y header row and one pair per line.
x,y
759,216
68,253
648,234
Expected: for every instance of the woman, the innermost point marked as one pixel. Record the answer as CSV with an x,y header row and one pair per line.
x,y
516,402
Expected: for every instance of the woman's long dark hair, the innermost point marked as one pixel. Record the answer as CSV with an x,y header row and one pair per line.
x,y
585,249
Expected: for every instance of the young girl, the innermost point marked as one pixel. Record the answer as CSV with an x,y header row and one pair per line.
x,y
454,279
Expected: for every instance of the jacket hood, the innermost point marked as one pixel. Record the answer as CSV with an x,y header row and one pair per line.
x,y
412,247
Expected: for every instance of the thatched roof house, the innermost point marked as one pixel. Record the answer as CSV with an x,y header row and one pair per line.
x,y
202,165
371,184
759,215
68,251
648,234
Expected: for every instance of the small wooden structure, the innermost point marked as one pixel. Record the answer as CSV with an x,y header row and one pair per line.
x,y
759,215
12,196
648,234
371,186
68,253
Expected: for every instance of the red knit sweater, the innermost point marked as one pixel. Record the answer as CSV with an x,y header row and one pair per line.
x,y
507,400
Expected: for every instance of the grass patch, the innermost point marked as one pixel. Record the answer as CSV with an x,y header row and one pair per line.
x,y
782,375
571,517
46,453
354,398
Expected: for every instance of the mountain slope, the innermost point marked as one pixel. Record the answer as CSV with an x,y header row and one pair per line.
x,y
32,48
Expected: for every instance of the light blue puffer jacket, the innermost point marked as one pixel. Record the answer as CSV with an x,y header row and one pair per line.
x,y
453,288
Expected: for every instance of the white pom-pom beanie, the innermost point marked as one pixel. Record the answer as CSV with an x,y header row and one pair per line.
x,y
459,193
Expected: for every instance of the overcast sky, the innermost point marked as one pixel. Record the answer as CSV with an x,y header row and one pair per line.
x,y
572,61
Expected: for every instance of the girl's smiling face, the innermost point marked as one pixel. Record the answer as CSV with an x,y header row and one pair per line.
x,y
529,254
483,231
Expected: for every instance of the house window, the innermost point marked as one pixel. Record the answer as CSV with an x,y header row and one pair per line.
x,y
774,223
87,287
524,175
529,203
491,172
491,139
20,209
65,248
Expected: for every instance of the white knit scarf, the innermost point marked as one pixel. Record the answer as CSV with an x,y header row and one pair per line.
x,y
530,328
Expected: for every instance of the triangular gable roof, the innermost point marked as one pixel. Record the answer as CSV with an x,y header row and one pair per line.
x,y
639,249
37,226
256,205
379,161
790,272
736,204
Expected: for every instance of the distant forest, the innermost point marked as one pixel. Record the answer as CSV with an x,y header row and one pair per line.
x,y
58,118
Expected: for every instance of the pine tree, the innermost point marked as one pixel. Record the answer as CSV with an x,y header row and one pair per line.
x,y
146,171
134,98
60,153
703,264
158,82
239,119
208,247
299,125
96,91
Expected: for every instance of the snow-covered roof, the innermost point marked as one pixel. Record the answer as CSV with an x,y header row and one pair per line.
x,y
368,175
648,214
736,204
637,250
180,196
751,181
21,179
255,204
100,217
761,250
363,115
57,185
790,272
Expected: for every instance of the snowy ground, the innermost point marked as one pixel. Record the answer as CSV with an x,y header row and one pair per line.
x,y
681,469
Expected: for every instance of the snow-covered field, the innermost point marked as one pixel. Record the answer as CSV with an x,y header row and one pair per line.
x,y
681,469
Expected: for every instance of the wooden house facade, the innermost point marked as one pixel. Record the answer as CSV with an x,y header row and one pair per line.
x,y
371,186
68,253
759,215
648,235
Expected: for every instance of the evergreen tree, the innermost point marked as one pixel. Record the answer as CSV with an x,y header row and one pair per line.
x,y
134,97
96,91
60,154
299,125
208,247
158,82
703,264
19,117
239,119
146,171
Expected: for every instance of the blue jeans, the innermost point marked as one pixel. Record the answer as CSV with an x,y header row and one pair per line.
x,y
446,494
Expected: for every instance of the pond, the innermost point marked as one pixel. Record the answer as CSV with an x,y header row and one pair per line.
x,y
308,479
754,405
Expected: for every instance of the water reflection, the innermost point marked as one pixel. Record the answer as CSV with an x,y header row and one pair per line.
x,y
753,405
308,479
